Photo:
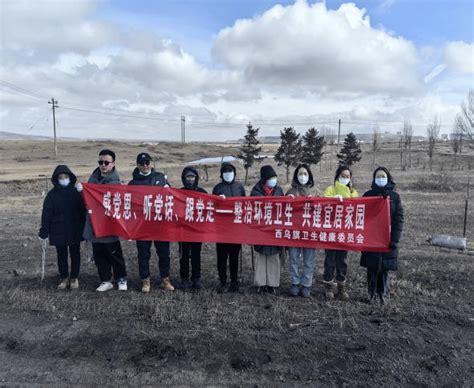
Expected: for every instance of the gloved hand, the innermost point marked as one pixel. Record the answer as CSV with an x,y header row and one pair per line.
x,y
79,187
291,196
338,196
222,196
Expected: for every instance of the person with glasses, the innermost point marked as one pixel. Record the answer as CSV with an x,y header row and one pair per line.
x,y
145,175
107,251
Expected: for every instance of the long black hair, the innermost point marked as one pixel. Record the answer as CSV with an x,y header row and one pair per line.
x,y
295,175
340,169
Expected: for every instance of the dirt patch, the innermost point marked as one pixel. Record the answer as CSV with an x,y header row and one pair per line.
x,y
422,338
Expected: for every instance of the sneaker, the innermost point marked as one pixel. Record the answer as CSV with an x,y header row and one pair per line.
x,y
294,290
167,284
63,284
197,284
105,286
306,292
261,290
122,284
146,285
234,287
74,284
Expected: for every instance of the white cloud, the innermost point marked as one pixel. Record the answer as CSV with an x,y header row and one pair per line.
x,y
460,56
320,49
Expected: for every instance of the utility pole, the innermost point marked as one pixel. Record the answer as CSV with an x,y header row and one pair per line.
x,y
339,132
54,104
183,129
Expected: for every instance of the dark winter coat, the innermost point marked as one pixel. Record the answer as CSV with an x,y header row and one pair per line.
x,y
258,191
195,187
232,189
64,212
389,260
155,178
112,178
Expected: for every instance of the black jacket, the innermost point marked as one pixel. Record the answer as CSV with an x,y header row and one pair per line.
x,y
155,178
113,178
232,189
258,191
389,260
64,212
195,187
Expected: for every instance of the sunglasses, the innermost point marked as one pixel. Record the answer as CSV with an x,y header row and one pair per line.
x,y
104,162
144,163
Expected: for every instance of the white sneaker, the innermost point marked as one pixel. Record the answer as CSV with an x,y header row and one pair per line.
x,y
122,285
105,286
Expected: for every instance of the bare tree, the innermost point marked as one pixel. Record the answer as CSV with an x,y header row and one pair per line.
x,y
375,145
407,139
456,142
465,120
432,130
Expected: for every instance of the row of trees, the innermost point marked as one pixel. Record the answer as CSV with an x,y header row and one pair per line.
x,y
308,148
295,149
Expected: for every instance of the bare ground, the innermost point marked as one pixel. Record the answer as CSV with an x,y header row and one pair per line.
x,y
422,338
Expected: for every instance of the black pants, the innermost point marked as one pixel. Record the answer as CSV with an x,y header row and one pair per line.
x,y
144,254
75,253
230,251
377,282
108,256
335,260
193,251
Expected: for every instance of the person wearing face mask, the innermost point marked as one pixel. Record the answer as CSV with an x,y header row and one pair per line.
x,y
228,187
145,175
301,186
379,263
335,260
190,179
62,222
107,251
267,260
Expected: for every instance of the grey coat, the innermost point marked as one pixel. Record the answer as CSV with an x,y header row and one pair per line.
x,y
111,179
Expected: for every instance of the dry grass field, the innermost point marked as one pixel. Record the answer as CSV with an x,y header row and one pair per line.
x,y
423,337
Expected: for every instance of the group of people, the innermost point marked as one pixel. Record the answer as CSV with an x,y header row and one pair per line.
x,y
65,223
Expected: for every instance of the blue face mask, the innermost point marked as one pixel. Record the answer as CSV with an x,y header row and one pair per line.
x,y
64,182
272,182
381,181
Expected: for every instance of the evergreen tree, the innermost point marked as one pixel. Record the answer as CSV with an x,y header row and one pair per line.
x,y
290,149
350,151
312,149
250,149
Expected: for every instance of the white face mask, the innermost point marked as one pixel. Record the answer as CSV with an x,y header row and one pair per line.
x,y
228,176
344,181
381,181
64,182
303,179
272,182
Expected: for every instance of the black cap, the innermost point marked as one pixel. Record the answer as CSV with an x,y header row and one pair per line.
x,y
142,157
267,172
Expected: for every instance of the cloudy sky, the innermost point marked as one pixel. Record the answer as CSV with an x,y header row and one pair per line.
x,y
131,69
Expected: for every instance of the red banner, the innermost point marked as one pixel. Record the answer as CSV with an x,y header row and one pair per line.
x,y
157,213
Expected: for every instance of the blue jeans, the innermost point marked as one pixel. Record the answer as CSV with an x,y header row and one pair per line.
x,y
144,254
309,260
